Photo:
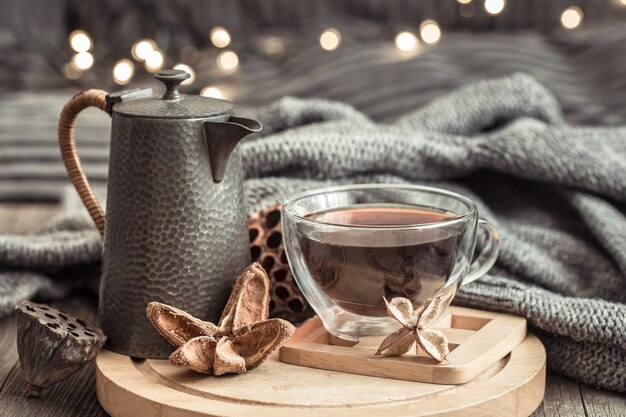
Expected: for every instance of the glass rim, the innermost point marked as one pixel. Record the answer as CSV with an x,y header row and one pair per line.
x,y
289,204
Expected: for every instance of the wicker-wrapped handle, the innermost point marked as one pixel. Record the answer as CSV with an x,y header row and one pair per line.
x,y
79,102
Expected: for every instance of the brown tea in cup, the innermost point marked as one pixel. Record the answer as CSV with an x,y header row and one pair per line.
x,y
356,269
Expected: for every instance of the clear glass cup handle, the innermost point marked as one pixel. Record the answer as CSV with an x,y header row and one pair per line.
x,y
488,255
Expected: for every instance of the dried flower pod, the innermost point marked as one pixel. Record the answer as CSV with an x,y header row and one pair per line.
x,y
266,247
53,345
176,325
197,354
414,322
259,341
397,343
227,360
248,302
244,339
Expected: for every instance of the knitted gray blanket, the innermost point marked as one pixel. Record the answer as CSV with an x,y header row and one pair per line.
x,y
556,192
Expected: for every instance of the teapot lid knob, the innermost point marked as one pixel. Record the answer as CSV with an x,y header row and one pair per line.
x,y
172,79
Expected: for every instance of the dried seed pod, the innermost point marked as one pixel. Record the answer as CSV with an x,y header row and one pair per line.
x,y
227,360
433,342
266,247
248,302
397,343
176,325
259,341
197,354
53,345
244,339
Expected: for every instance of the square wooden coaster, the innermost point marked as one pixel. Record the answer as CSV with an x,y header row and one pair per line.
x,y
478,339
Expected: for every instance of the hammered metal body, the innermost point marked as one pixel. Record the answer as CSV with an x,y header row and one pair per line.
x,y
172,234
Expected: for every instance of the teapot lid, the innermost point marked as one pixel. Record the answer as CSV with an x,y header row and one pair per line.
x,y
173,104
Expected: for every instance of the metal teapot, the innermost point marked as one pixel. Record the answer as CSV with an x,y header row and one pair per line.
x,y
175,229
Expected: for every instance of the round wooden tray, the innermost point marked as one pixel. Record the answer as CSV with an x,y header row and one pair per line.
x,y
135,387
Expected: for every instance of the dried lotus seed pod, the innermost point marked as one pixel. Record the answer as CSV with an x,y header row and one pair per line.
x,y
53,345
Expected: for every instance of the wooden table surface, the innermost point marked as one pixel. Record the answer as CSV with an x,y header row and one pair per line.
x,y
76,396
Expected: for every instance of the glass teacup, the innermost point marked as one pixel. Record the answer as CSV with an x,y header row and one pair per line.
x,y
350,247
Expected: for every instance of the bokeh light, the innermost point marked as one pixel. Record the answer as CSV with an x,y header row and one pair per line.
x,y
406,41
494,7
123,71
571,17
228,61
142,49
274,46
188,70
210,91
330,39
71,72
82,61
80,41
154,60
430,32
220,37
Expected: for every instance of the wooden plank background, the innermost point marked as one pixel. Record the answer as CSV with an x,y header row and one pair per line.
x,y
76,396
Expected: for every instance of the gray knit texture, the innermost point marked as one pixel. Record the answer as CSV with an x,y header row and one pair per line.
x,y
556,192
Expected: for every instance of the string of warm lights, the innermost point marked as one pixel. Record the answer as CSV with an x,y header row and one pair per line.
x,y
147,51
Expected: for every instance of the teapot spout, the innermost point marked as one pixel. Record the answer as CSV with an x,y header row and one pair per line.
x,y
222,137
